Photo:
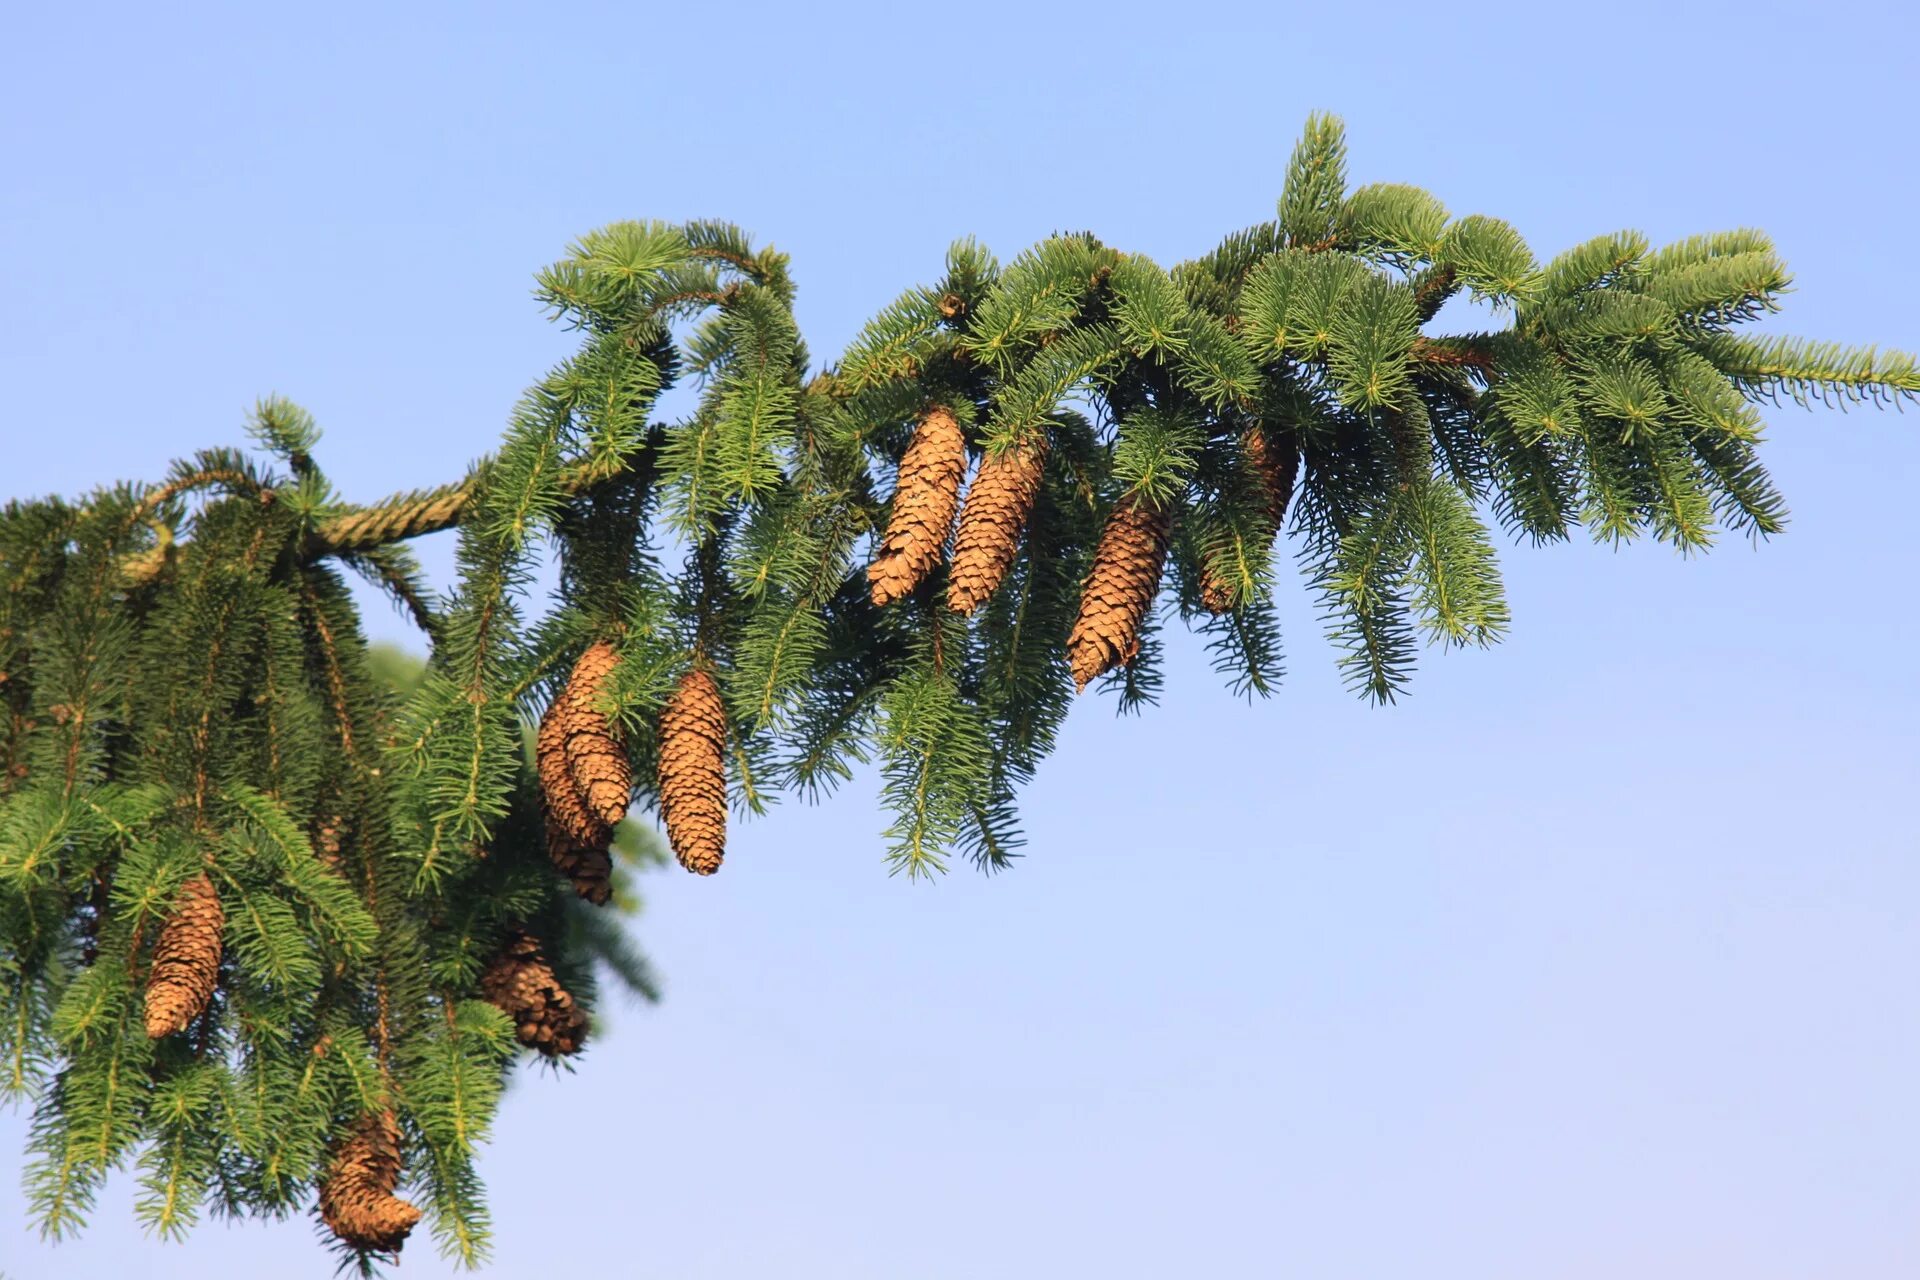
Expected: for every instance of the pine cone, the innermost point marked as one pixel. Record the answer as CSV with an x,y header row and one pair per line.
x,y
1120,589
521,984
997,506
589,866
693,772
566,808
576,744
584,770
923,506
1275,468
356,1198
186,959
596,758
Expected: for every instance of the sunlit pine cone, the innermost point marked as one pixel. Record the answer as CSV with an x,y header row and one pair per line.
x,y
924,500
1119,590
998,503
693,772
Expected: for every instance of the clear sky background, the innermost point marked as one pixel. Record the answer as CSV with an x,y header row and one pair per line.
x,y
1595,957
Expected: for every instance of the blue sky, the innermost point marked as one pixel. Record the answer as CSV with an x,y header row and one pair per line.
x,y
1594,957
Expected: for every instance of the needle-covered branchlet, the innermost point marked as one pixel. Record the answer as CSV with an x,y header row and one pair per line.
x,y
998,504
521,984
693,772
1119,589
924,500
356,1198
1274,465
186,959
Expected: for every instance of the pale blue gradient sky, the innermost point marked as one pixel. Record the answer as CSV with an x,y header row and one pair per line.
x,y
1593,958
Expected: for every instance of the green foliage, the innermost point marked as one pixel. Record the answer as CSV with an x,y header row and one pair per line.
x,y
185,687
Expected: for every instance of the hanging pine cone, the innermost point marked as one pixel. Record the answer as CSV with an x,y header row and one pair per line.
x,y
356,1198
1274,468
923,506
693,772
566,808
589,866
1120,589
998,503
576,742
521,984
186,959
596,758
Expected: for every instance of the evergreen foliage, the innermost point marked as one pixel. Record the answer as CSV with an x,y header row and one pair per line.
x,y
189,700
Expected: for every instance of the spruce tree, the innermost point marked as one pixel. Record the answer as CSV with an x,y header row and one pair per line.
x,y
276,925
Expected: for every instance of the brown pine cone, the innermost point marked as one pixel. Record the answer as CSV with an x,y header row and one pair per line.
x,y
186,959
693,772
923,505
356,1197
1120,589
589,866
996,510
596,758
521,984
1274,467
566,807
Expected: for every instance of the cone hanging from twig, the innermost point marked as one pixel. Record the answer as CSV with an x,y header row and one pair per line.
x,y
596,758
585,776
566,808
693,772
588,866
1274,466
521,984
1119,589
998,503
356,1197
186,959
924,501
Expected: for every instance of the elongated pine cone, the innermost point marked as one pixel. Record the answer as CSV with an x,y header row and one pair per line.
x,y
596,758
521,984
923,505
1275,468
1120,589
585,777
186,959
356,1198
995,513
566,808
693,772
